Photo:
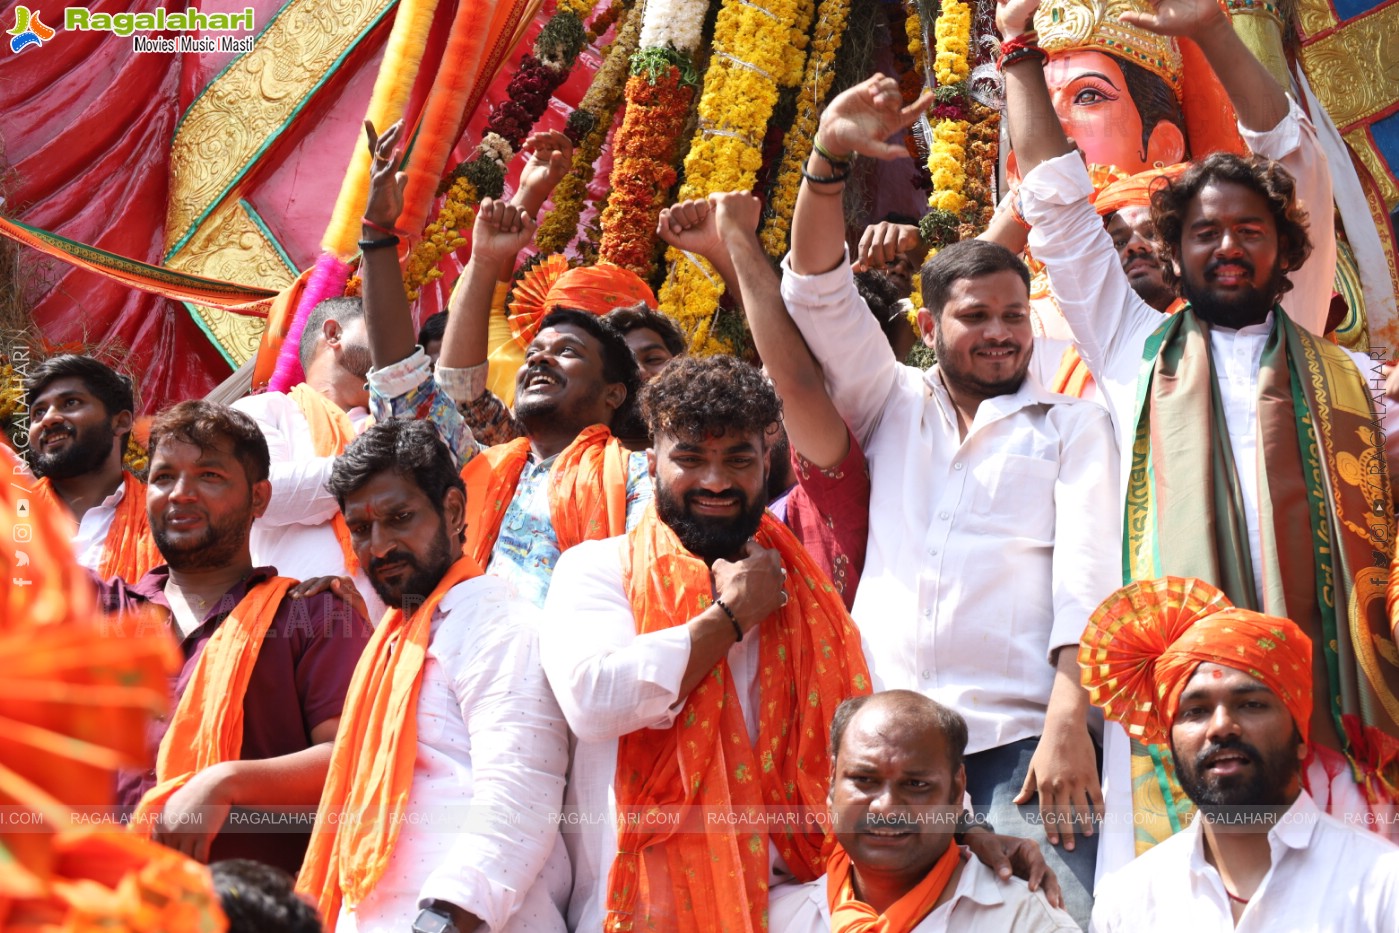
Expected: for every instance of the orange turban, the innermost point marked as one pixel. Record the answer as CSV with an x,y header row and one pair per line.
x,y
551,285
1135,190
1145,641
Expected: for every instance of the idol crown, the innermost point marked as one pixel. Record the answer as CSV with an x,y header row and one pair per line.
x,y
1071,25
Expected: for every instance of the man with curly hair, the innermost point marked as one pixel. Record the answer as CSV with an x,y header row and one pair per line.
x,y
1253,458
698,662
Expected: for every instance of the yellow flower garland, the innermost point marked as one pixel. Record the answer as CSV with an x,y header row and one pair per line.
x,y
948,151
827,33
740,91
458,213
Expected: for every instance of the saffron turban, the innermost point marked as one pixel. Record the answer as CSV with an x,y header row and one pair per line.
x,y
1135,190
551,285
1143,644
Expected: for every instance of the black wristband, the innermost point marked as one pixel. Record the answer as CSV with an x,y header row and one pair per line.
x,y
366,245
966,823
738,629
835,179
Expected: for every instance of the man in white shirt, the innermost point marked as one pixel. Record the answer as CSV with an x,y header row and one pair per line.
x,y
993,519
700,651
896,791
441,808
80,417
298,533
1230,692
1273,413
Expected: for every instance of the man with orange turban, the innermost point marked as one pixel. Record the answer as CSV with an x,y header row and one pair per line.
x,y
1229,691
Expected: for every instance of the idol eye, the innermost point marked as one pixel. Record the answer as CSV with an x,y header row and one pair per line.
x,y
1091,95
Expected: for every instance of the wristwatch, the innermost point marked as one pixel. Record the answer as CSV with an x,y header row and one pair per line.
x,y
434,918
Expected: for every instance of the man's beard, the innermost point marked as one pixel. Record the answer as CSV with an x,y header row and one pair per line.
x,y
1248,305
84,453
354,357
954,374
423,578
219,545
1268,787
709,539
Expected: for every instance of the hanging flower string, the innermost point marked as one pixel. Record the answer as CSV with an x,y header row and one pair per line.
x,y
831,19
587,127
482,175
963,149
658,96
741,86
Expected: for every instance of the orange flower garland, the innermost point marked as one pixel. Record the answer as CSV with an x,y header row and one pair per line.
x,y
658,98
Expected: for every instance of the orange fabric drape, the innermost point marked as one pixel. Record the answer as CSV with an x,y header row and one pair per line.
x,y
587,490
713,876
129,551
331,433
1073,377
371,768
851,915
207,727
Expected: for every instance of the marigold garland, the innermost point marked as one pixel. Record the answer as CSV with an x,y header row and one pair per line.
x,y
588,127
827,34
962,154
658,102
740,91
482,175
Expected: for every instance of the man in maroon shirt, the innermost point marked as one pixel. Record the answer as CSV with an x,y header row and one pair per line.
x,y
208,481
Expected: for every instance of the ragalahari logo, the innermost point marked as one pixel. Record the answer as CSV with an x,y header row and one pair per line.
x,y
28,31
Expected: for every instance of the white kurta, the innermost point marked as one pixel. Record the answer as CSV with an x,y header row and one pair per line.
x,y
481,824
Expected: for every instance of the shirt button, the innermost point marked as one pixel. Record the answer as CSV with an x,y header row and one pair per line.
x,y
927,613
957,466
927,675
943,515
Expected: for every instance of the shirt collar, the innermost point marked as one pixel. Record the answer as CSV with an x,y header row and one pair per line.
x,y
1293,830
979,883
1000,406
112,501
151,588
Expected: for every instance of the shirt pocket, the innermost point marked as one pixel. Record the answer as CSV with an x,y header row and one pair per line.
x,y
1014,497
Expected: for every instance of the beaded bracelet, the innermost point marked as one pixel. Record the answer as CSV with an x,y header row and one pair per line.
x,y
738,629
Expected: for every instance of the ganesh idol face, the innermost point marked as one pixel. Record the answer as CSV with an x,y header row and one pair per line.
x,y
1098,111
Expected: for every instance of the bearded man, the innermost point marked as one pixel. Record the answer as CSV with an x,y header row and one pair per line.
x,y
982,470
1229,692
80,417
1239,427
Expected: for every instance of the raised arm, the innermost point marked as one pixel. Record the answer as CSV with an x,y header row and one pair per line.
x,y
500,232
1258,100
387,317
856,122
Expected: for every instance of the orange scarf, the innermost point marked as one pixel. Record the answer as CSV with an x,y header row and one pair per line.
x,y
715,878
207,727
587,490
331,433
1073,376
851,915
129,551
371,769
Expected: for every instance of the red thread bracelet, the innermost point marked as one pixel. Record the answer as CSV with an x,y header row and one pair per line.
x,y
387,231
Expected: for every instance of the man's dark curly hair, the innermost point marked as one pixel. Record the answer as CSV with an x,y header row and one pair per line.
x,y
1169,203
411,449
698,397
258,898
208,425
618,363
